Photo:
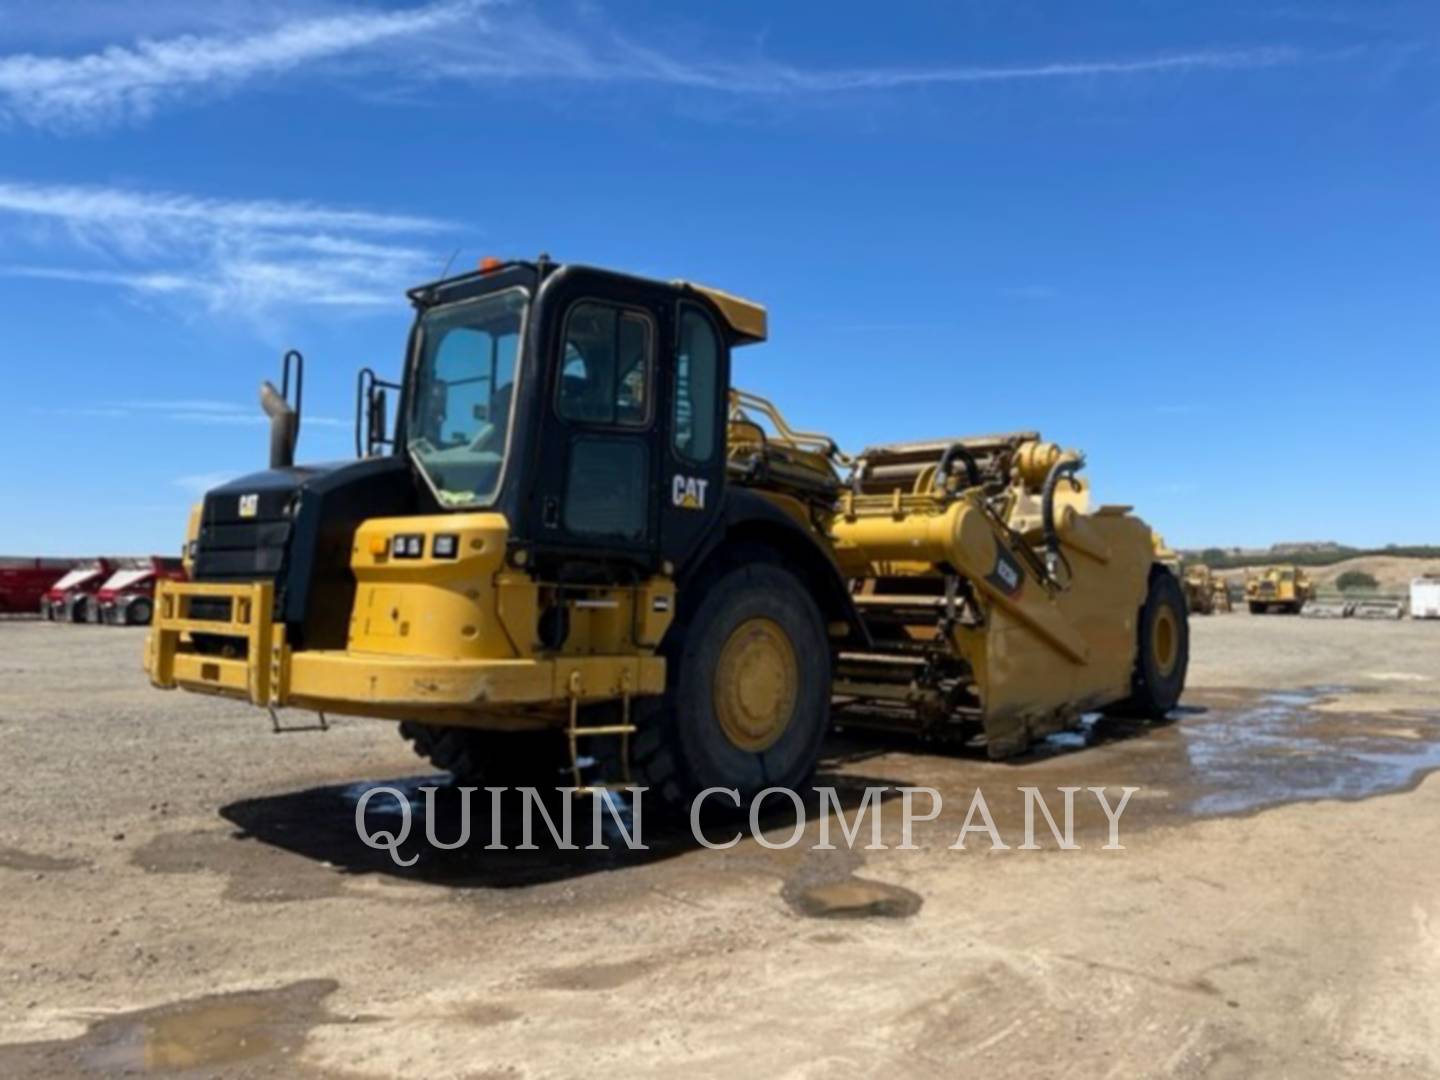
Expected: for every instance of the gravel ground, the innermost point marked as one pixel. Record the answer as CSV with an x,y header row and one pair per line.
x,y
183,892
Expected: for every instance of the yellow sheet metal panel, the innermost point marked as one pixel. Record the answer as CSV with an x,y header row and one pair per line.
x,y
747,319
654,610
420,684
196,672
429,606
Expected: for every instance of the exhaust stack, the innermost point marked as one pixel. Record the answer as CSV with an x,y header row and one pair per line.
x,y
284,420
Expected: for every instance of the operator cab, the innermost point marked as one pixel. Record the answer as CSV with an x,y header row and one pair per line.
x,y
587,406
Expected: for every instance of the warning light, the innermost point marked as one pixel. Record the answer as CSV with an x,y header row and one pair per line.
x,y
488,263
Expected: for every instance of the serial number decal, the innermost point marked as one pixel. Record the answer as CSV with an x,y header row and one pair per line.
x,y
1007,576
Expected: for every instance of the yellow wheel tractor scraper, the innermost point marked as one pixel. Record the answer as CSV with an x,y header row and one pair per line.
x,y
578,544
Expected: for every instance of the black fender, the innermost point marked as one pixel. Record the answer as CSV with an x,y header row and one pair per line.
x,y
748,521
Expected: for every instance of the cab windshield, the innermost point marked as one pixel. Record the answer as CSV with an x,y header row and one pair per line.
x,y
459,423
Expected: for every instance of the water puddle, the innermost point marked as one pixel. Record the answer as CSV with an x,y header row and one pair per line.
x,y
1077,739
853,898
1282,749
207,1036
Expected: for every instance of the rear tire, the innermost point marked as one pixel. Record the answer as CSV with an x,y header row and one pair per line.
x,y
497,758
1162,653
139,613
748,701
80,613
1256,609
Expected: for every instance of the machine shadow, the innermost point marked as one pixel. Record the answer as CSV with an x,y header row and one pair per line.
x,y
320,825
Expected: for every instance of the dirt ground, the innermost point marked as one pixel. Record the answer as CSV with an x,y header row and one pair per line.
x,y
182,892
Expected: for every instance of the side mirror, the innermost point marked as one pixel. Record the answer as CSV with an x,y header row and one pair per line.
x,y
376,421
372,424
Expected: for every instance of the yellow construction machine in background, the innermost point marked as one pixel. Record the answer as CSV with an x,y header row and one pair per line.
x,y
1206,592
1280,589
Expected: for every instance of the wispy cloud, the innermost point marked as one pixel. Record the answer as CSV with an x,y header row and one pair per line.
x,y
235,256
491,41
184,411
112,208
130,81
530,49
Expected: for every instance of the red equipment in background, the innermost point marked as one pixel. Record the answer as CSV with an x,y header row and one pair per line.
x,y
127,597
69,599
24,581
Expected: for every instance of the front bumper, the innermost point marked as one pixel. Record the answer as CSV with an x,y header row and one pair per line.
x,y
256,664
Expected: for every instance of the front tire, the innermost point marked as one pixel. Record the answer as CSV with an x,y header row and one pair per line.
x,y
139,613
1162,650
498,758
748,702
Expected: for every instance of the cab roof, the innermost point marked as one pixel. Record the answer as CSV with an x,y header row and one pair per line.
x,y
747,321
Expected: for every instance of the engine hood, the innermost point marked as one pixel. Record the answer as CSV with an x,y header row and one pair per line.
x,y
294,527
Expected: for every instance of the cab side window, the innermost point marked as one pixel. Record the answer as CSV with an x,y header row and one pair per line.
x,y
697,382
606,366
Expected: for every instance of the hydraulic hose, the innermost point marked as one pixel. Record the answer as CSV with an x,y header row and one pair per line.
x,y
1065,467
947,461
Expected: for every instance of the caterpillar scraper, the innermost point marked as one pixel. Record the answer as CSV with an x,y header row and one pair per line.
x,y
1205,591
1282,589
583,554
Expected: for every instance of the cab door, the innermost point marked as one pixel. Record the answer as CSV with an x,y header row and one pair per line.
x,y
693,453
597,493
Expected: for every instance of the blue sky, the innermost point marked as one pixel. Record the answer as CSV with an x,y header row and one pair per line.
x,y
1198,241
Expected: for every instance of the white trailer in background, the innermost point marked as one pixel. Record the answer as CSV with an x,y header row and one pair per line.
x,y
1425,598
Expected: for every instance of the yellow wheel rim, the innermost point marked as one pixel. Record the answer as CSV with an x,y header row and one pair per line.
x,y
756,684
1165,641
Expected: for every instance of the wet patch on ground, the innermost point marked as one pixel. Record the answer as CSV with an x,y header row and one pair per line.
x,y
254,873
487,1014
1222,753
853,898
1284,748
250,1033
824,884
590,977
15,859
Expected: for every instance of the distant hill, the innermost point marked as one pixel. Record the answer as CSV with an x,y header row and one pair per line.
x,y
1392,573
1314,554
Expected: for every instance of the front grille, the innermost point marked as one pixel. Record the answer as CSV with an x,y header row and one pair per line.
x,y
241,552
232,547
